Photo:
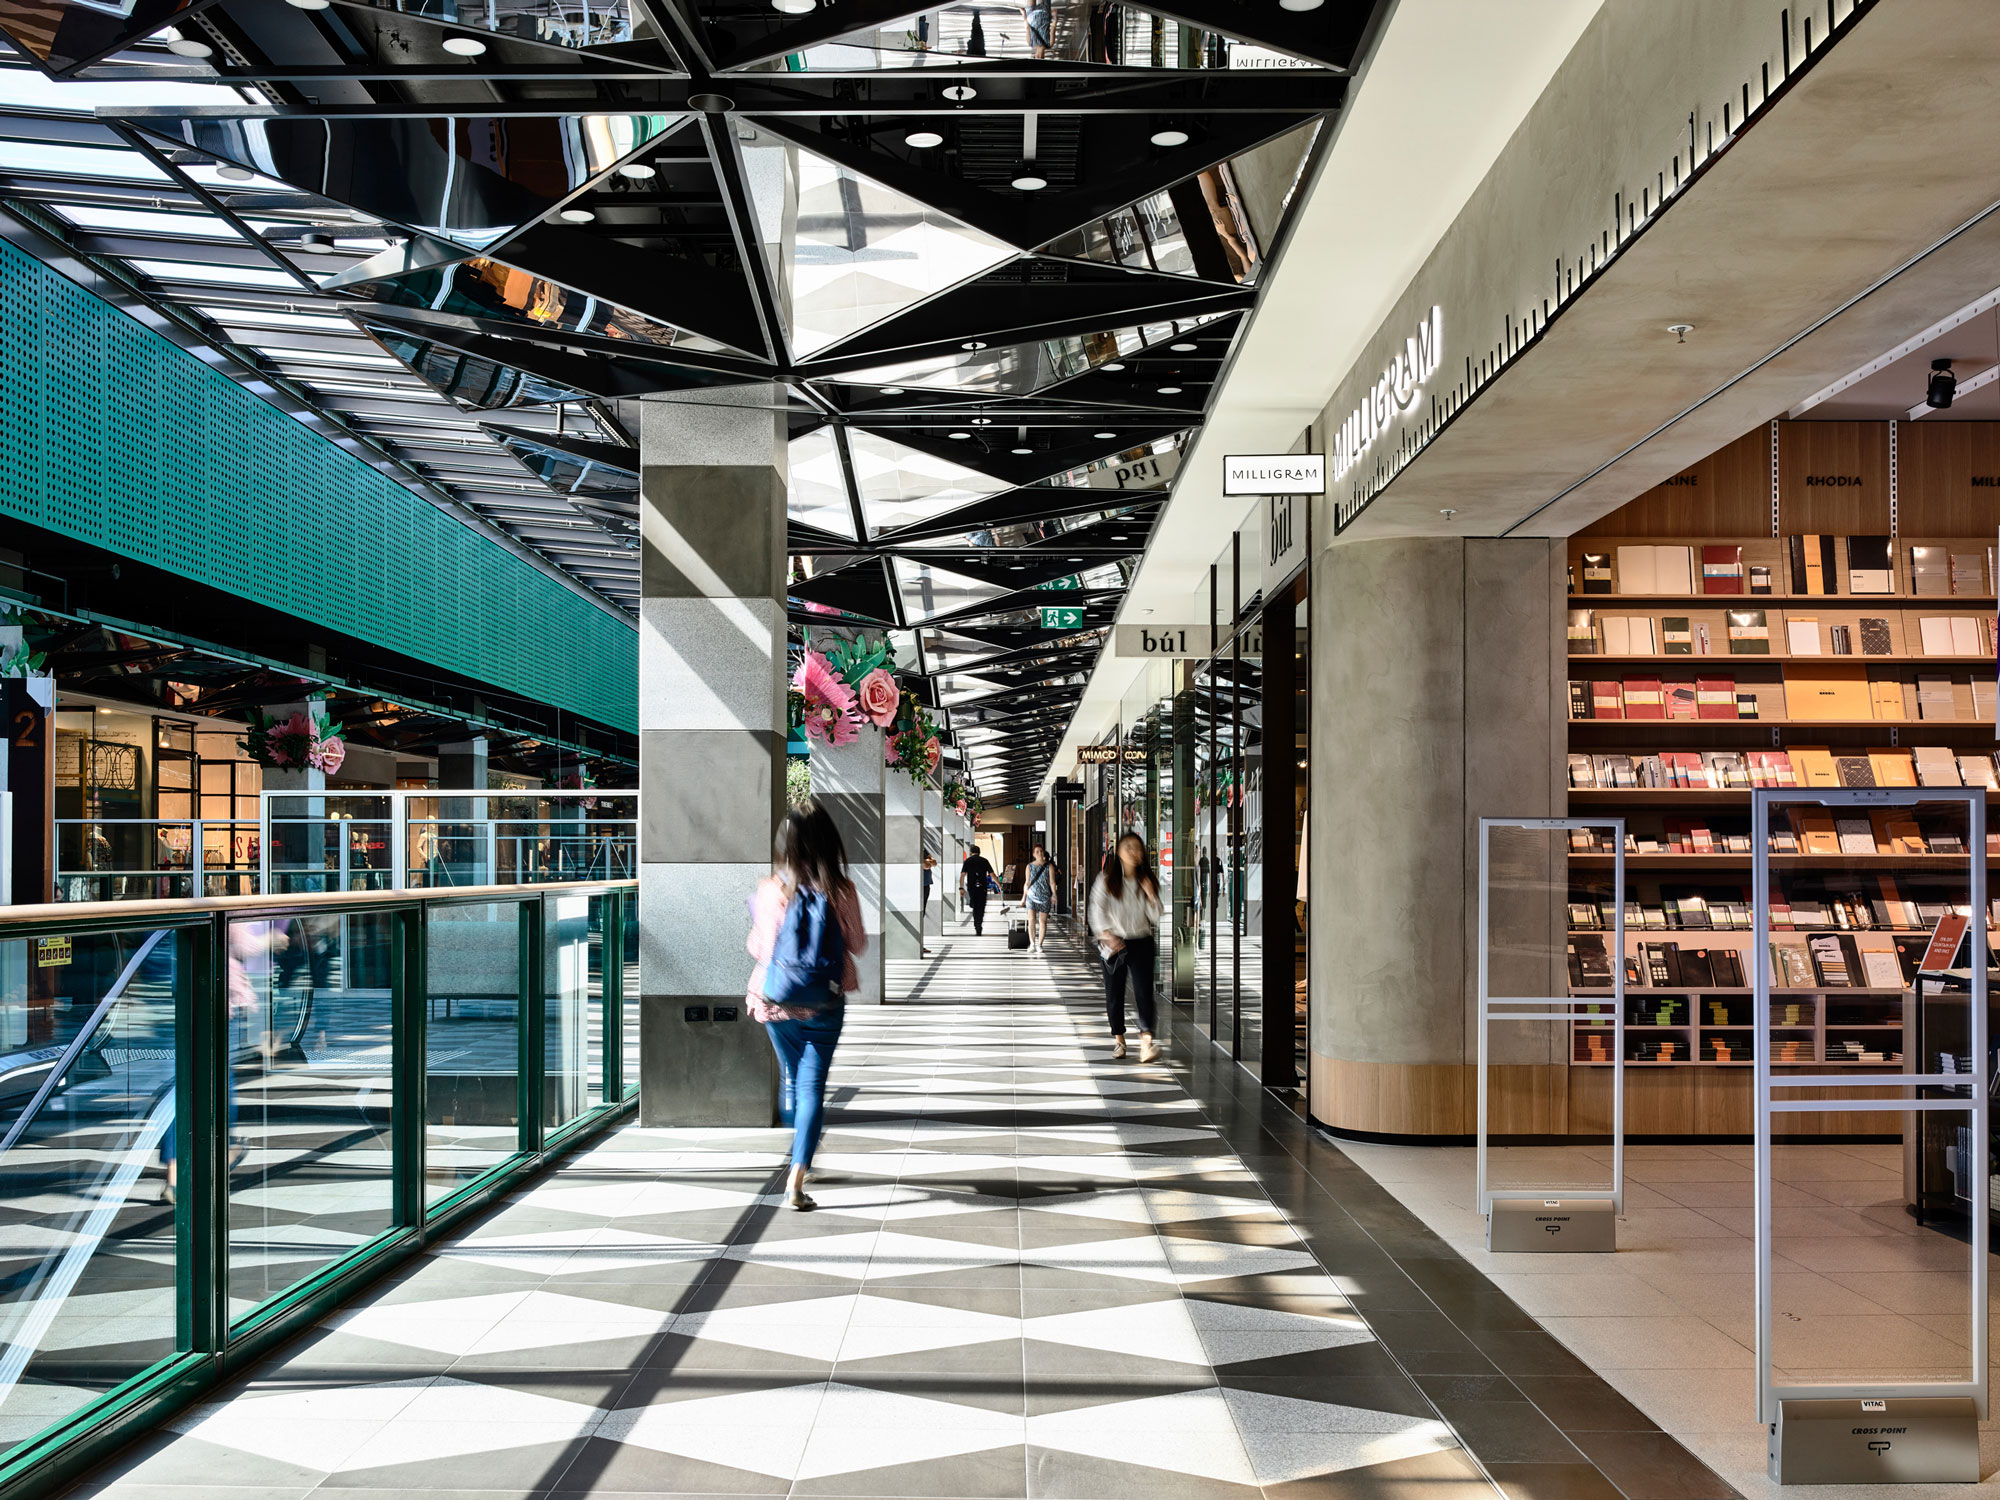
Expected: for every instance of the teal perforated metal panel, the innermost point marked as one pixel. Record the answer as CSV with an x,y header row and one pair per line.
x,y
113,435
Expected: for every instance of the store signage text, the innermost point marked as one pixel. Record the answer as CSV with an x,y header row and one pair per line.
x,y
1393,394
1178,642
1109,755
1690,480
1274,474
1140,474
1838,481
1284,538
1986,481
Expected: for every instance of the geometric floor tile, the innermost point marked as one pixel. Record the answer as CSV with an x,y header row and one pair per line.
x,y
499,1322
1148,1330
1231,1332
568,1251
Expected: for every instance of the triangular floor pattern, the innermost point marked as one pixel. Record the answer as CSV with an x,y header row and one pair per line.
x,y
1034,1272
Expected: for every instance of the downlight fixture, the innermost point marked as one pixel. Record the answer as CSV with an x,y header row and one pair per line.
x,y
1104,434
577,216
892,390
1028,182
638,171
1170,390
974,345
794,7
1943,385
1170,137
1115,365
1300,4
959,435
1184,348
961,93
182,46
1023,451
309,4
464,46
234,173
923,140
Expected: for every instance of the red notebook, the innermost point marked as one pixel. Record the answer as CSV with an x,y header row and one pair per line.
x,y
1715,698
1722,570
1643,699
1607,700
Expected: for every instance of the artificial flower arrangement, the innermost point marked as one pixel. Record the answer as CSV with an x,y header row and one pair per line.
x,y
836,691
912,742
305,741
22,660
962,799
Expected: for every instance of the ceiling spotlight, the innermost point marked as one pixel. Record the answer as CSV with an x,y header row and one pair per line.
x,y
892,390
982,421
1183,348
1029,183
794,7
1300,4
1943,385
1104,434
321,242
1114,365
958,434
234,173
1170,138
638,171
923,140
1021,450
959,93
1170,390
577,216
184,47
310,4
464,46
1680,331
973,344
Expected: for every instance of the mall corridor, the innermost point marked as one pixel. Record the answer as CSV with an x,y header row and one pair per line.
x,y
1034,1272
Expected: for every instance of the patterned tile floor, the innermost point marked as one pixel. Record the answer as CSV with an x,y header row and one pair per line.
x,y
1034,1272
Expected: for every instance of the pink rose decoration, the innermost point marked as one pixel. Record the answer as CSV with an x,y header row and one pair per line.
x,y
329,754
961,807
879,697
892,750
933,753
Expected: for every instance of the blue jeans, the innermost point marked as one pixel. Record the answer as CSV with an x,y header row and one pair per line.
x,y
805,1055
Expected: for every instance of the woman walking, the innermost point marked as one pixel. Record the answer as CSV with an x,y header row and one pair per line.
x,y
1124,915
805,929
1038,895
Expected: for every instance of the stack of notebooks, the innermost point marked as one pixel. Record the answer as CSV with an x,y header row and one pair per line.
x,y
1955,635
1836,960
1645,697
1791,1050
1655,570
1669,966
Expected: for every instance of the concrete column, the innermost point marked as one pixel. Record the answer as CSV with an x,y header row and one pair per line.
x,y
304,855
902,866
849,781
711,743
462,764
1438,697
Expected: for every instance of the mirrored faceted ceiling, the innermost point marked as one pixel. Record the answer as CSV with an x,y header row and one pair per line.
x,y
997,259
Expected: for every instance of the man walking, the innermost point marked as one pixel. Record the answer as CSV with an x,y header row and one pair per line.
x,y
974,878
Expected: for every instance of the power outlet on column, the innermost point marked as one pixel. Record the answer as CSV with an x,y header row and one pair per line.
x,y
694,1013
725,1012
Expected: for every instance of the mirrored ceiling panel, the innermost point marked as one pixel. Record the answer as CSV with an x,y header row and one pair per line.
x,y
900,486
816,493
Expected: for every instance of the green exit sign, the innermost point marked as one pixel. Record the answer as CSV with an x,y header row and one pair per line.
x,y
1066,582
1062,619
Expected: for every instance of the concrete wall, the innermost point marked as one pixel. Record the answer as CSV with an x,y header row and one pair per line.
x,y
1438,689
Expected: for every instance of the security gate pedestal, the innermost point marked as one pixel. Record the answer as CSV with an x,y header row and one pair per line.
x,y
1515,1225
1891,1440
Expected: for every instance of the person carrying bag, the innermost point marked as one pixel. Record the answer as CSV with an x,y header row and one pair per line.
x,y
805,930
1124,917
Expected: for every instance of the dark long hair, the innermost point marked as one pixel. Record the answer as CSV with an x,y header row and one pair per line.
x,y
1114,868
808,850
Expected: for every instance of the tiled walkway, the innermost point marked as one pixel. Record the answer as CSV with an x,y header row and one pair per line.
x,y
1034,1272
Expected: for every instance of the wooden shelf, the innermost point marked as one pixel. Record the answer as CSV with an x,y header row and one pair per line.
x,y
1985,726
1760,658
1675,989
1778,861
1663,796
1760,601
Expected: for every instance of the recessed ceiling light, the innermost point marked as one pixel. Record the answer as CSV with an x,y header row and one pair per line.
x,y
185,47
1183,348
310,4
923,139
234,173
1021,450
982,421
958,93
974,344
464,46
1170,138
892,390
638,171
1300,4
1104,434
1170,390
1114,365
958,434
1027,182
794,7
576,216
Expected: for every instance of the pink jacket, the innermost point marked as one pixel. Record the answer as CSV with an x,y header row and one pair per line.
x,y
766,907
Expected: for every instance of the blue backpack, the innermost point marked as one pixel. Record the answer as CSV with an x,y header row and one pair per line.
x,y
808,954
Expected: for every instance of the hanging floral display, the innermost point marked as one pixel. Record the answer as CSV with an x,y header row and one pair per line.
x,y
844,685
822,703
306,741
912,743
960,798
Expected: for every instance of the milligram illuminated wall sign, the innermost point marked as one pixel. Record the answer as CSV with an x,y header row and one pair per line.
x,y
1390,396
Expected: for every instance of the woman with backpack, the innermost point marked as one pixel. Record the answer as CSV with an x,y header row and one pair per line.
x,y
1124,916
805,929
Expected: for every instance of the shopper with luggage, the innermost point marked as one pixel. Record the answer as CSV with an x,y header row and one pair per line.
x,y
1038,895
1124,916
805,930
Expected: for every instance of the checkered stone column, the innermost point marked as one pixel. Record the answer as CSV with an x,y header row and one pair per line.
x,y
711,743
902,866
849,781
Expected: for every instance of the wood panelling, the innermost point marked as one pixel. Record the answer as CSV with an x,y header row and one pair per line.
x,y
1390,1098
1701,1101
1938,465
1726,494
1833,477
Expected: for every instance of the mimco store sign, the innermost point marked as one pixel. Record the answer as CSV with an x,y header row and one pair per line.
x,y
1392,395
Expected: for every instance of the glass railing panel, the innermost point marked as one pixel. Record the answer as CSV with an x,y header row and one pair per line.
x,y
572,1012
628,1026
315,854
88,1259
473,1011
310,1036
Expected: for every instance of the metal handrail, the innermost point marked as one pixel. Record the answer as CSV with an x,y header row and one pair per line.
x,y
105,915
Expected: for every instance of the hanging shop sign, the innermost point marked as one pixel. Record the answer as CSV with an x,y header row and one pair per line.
x,y
1174,642
1147,473
1274,474
1393,394
1109,755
